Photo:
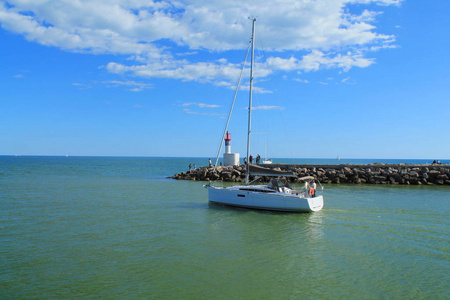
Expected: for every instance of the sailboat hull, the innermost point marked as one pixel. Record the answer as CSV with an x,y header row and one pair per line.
x,y
254,199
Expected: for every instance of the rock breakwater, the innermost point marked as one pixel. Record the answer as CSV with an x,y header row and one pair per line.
x,y
429,174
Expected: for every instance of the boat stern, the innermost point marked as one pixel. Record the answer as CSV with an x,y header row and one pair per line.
x,y
316,203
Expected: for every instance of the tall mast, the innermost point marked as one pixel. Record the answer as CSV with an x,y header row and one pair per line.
x,y
250,104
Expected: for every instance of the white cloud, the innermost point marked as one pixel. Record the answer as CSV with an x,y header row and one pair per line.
x,y
201,105
301,80
267,107
255,89
365,16
81,86
219,74
319,60
132,85
348,80
201,111
191,112
155,35
380,2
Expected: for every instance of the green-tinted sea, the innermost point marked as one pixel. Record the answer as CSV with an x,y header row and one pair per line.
x,y
118,228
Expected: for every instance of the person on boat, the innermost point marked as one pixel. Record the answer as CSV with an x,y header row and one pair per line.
x,y
311,192
274,184
313,186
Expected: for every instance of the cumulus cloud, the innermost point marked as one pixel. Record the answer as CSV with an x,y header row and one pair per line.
x,y
319,60
188,40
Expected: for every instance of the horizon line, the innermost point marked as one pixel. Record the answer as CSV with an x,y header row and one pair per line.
x,y
206,157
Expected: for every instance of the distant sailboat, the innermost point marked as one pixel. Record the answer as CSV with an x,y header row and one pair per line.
x,y
276,195
266,161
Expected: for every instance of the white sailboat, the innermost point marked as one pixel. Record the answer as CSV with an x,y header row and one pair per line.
x,y
266,161
276,195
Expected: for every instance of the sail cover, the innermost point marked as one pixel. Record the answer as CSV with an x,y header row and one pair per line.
x,y
262,171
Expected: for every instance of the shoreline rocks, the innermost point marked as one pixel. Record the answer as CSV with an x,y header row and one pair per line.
x,y
403,174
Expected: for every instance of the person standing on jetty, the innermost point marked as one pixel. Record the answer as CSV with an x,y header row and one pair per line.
x,y
209,161
251,159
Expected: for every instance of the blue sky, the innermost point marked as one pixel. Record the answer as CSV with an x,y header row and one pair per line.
x,y
354,78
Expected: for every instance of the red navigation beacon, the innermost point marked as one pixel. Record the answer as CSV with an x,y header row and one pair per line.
x,y
227,139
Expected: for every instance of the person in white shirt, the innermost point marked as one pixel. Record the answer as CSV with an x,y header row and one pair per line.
x,y
314,186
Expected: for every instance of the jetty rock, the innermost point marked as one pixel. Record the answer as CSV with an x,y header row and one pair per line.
x,y
377,173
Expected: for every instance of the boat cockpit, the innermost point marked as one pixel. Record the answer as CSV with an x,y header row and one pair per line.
x,y
277,184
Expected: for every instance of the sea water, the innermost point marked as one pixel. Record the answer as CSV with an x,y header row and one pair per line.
x,y
115,228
